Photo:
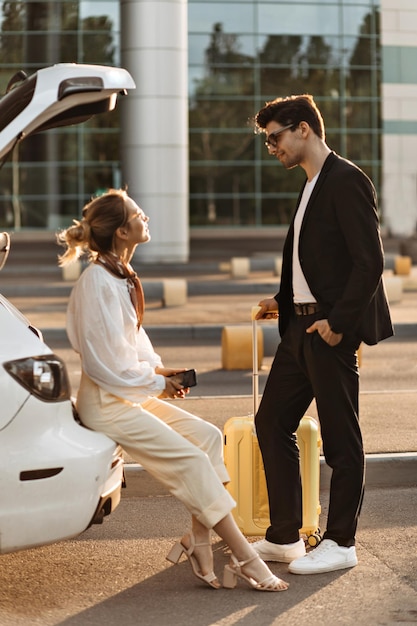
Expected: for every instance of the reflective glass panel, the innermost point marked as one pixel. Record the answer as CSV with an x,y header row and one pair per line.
x,y
204,16
294,19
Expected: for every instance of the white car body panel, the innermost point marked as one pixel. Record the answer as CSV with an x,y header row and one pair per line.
x,y
43,510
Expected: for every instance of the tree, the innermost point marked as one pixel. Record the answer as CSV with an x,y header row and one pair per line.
x,y
221,101
364,78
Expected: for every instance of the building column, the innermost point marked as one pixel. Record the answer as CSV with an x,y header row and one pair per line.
x,y
154,122
399,115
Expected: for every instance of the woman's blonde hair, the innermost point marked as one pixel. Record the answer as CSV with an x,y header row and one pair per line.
x,y
94,233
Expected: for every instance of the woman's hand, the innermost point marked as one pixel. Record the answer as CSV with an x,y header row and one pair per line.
x,y
169,371
173,389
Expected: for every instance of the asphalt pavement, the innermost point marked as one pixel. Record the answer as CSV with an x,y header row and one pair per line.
x,y
117,573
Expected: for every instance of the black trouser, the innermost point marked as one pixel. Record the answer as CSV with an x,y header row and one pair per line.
x,y
306,367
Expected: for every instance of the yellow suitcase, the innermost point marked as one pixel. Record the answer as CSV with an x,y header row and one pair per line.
x,y
247,478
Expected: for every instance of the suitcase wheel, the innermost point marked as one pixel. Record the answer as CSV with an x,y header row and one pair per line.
x,y
314,539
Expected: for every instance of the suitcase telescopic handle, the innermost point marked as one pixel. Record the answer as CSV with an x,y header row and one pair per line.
x,y
255,372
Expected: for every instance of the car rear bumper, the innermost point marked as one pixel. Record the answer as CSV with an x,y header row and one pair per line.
x,y
111,495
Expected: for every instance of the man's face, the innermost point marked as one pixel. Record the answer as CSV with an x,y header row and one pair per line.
x,y
284,143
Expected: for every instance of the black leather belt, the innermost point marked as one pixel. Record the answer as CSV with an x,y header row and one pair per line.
x,y
306,308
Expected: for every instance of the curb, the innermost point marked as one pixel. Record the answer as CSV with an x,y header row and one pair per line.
x,y
405,330
151,288
383,471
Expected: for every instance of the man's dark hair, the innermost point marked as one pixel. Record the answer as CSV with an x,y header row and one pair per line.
x,y
291,110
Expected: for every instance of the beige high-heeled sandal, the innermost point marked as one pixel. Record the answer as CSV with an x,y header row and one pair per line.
x,y
178,549
233,571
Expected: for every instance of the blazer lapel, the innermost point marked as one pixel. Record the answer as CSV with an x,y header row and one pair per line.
x,y
322,177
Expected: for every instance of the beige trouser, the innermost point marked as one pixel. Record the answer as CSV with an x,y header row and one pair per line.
x,y
180,450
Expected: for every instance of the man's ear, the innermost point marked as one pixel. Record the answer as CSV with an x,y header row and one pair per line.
x,y
305,128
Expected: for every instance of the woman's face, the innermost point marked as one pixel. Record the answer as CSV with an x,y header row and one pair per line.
x,y
137,223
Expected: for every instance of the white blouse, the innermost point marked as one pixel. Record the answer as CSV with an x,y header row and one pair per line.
x,y
101,326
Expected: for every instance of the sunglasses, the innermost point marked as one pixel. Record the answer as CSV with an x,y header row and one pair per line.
x,y
272,141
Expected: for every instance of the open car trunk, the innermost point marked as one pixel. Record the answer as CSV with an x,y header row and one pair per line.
x,y
60,95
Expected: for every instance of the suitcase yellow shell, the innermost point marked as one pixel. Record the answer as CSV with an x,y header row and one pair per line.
x,y
247,478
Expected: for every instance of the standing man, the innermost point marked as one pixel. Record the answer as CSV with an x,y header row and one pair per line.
x,y
331,299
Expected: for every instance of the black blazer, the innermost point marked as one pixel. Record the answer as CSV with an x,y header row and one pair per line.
x,y
341,254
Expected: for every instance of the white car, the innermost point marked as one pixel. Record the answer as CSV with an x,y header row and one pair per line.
x,y
56,477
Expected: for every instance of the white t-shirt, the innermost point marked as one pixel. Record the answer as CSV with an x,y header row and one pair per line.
x,y
300,287
102,328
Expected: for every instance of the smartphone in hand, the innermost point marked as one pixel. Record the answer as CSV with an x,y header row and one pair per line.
x,y
187,378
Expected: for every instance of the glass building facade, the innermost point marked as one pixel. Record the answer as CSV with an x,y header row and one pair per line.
x,y
47,182
241,54
244,53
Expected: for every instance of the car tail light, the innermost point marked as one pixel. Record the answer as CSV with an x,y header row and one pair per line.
x,y
44,376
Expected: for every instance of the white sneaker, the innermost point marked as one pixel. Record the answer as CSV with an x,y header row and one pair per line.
x,y
327,557
280,552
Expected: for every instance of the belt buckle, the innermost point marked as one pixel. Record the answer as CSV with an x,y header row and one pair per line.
x,y
305,308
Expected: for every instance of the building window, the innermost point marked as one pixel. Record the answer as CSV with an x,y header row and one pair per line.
x,y
242,54
48,181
